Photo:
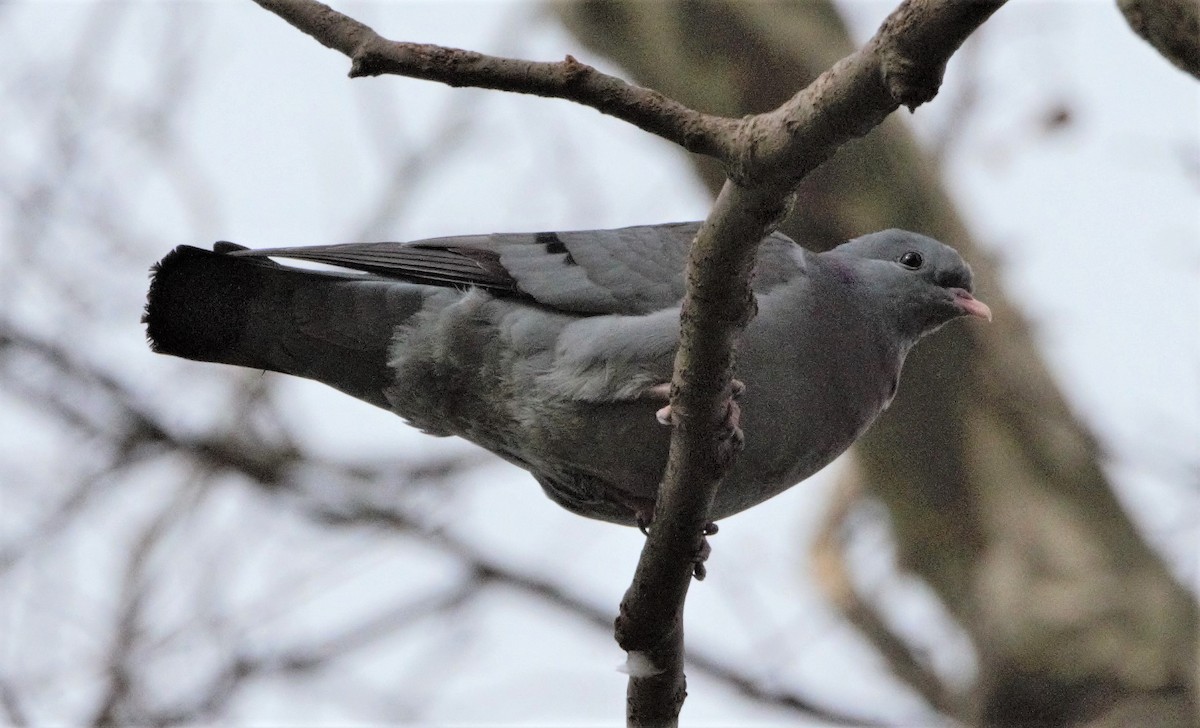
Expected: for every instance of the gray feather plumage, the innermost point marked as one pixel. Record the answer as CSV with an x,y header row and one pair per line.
x,y
541,347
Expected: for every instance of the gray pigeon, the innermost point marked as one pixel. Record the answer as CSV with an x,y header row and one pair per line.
x,y
551,349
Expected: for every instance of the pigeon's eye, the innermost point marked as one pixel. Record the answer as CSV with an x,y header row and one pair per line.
x,y
911,260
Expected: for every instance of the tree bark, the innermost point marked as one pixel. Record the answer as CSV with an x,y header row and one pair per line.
x,y
994,487
1171,26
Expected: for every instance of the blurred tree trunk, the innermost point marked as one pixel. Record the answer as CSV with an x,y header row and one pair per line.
x,y
994,488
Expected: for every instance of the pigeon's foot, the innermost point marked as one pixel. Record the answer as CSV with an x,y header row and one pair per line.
x,y
699,571
645,519
662,391
730,438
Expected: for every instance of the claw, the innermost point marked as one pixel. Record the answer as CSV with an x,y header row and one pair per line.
x,y
663,391
731,436
645,518
699,570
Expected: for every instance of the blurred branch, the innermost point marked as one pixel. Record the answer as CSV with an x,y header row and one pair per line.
x,y
306,659
10,702
99,405
59,517
409,168
833,575
1171,26
64,152
116,704
486,568
105,410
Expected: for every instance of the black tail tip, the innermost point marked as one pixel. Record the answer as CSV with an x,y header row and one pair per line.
x,y
195,306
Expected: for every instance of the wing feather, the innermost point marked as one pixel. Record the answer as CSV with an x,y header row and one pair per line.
x,y
633,271
441,265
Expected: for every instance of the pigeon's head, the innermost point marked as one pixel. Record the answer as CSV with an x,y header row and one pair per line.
x,y
921,281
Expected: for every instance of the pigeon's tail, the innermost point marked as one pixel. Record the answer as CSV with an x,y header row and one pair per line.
x,y
252,312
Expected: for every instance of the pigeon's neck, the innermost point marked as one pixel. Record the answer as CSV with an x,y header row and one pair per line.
x,y
880,317
882,303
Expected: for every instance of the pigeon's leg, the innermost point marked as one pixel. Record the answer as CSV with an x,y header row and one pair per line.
x,y
645,515
662,392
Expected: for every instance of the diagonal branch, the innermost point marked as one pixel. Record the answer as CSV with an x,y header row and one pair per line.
x,y
833,575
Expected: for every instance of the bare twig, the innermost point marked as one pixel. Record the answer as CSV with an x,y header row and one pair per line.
x,y
372,55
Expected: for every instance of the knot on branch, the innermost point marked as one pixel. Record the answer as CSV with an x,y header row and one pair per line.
x,y
910,82
368,61
645,636
574,72
755,139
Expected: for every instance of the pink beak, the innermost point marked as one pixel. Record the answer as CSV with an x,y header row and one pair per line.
x,y
971,305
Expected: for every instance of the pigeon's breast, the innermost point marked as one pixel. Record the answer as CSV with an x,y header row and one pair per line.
x,y
817,375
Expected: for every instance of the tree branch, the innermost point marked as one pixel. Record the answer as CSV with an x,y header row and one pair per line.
x,y
842,104
902,65
1171,26
372,55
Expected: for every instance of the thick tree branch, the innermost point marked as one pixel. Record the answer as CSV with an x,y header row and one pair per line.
x,y
372,55
717,306
842,104
902,65
1171,26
